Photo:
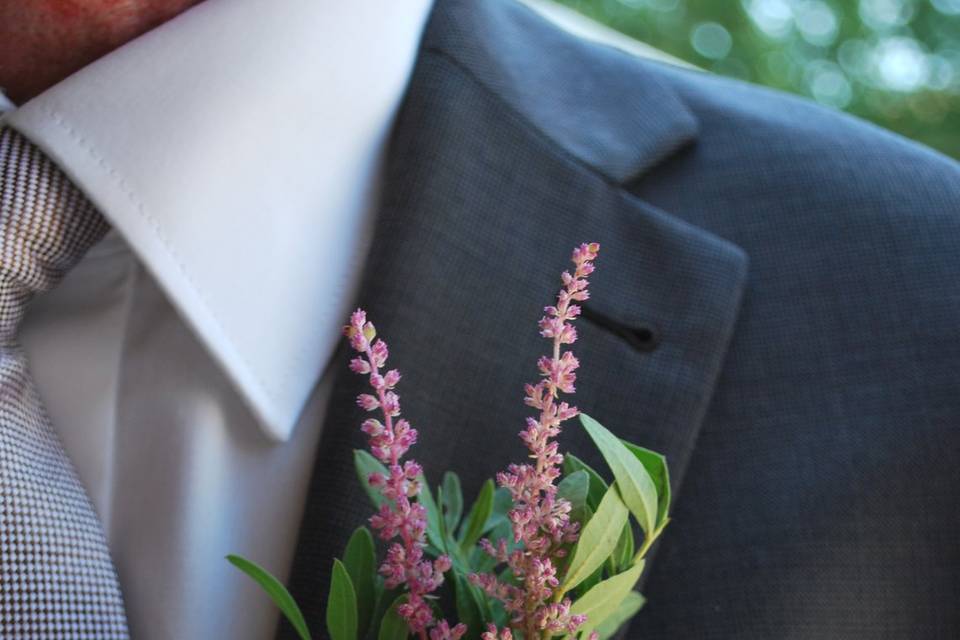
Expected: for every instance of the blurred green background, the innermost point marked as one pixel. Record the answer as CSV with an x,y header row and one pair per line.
x,y
895,62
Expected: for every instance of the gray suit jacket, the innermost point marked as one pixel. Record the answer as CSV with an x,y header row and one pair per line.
x,y
776,308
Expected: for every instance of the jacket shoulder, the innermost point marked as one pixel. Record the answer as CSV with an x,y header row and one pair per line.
x,y
796,141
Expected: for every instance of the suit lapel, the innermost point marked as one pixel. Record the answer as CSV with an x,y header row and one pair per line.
x,y
502,160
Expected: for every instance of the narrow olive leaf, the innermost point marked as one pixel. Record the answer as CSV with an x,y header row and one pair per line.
x,y
360,560
498,614
276,591
481,562
598,487
443,524
589,583
605,598
468,610
393,626
458,558
622,556
636,486
597,540
433,513
627,609
341,605
385,598
502,503
564,564
574,489
656,466
452,500
366,464
479,515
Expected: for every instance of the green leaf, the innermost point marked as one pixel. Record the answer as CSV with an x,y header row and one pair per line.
x,y
574,488
627,609
597,540
605,598
478,517
341,605
385,598
498,614
360,560
449,547
483,563
636,487
502,503
468,610
595,577
622,556
444,537
393,626
276,591
598,487
589,583
433,513
365,464
452,500
656,466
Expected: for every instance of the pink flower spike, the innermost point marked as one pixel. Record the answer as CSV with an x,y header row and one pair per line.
x,y
359,365
539,517
400,519
358,318
379,353
391,378
443,631
372,427
367,401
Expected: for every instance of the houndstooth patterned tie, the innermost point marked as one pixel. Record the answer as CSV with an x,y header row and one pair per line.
x,y
56,576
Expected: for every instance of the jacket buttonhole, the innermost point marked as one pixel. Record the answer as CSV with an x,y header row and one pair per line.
x,y
643,338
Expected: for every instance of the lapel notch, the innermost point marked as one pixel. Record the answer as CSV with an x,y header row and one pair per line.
x,y
573,91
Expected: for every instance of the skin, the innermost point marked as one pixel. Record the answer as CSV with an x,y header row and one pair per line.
x,y
44,41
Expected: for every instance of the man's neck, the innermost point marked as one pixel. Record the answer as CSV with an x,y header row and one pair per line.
x,y
44,41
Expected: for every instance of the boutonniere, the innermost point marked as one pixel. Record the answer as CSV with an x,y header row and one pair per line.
x,y
550,549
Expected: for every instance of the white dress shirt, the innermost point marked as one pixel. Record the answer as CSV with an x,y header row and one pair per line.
x,y
235,150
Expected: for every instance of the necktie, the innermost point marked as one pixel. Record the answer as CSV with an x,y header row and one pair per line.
x,y
56,576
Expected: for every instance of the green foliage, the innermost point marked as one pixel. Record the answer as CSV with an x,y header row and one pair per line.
x,y
341,605
276,592
393,627
502,503
475,524
597,540
445,539
360,560
598,487
895,62
635,485
601,570
433,513
627,609
468,608
605,598
656,466
365,464
575,488
590,582
452,500
622,555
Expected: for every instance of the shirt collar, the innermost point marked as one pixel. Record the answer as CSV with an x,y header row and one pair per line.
x,y
235,148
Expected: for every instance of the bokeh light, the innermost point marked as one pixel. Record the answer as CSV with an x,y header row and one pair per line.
x,y
895,62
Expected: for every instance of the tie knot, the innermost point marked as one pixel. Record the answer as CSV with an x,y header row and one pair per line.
x,y
46,226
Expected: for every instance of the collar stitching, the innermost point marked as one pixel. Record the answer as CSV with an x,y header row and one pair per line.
x,y
157,232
